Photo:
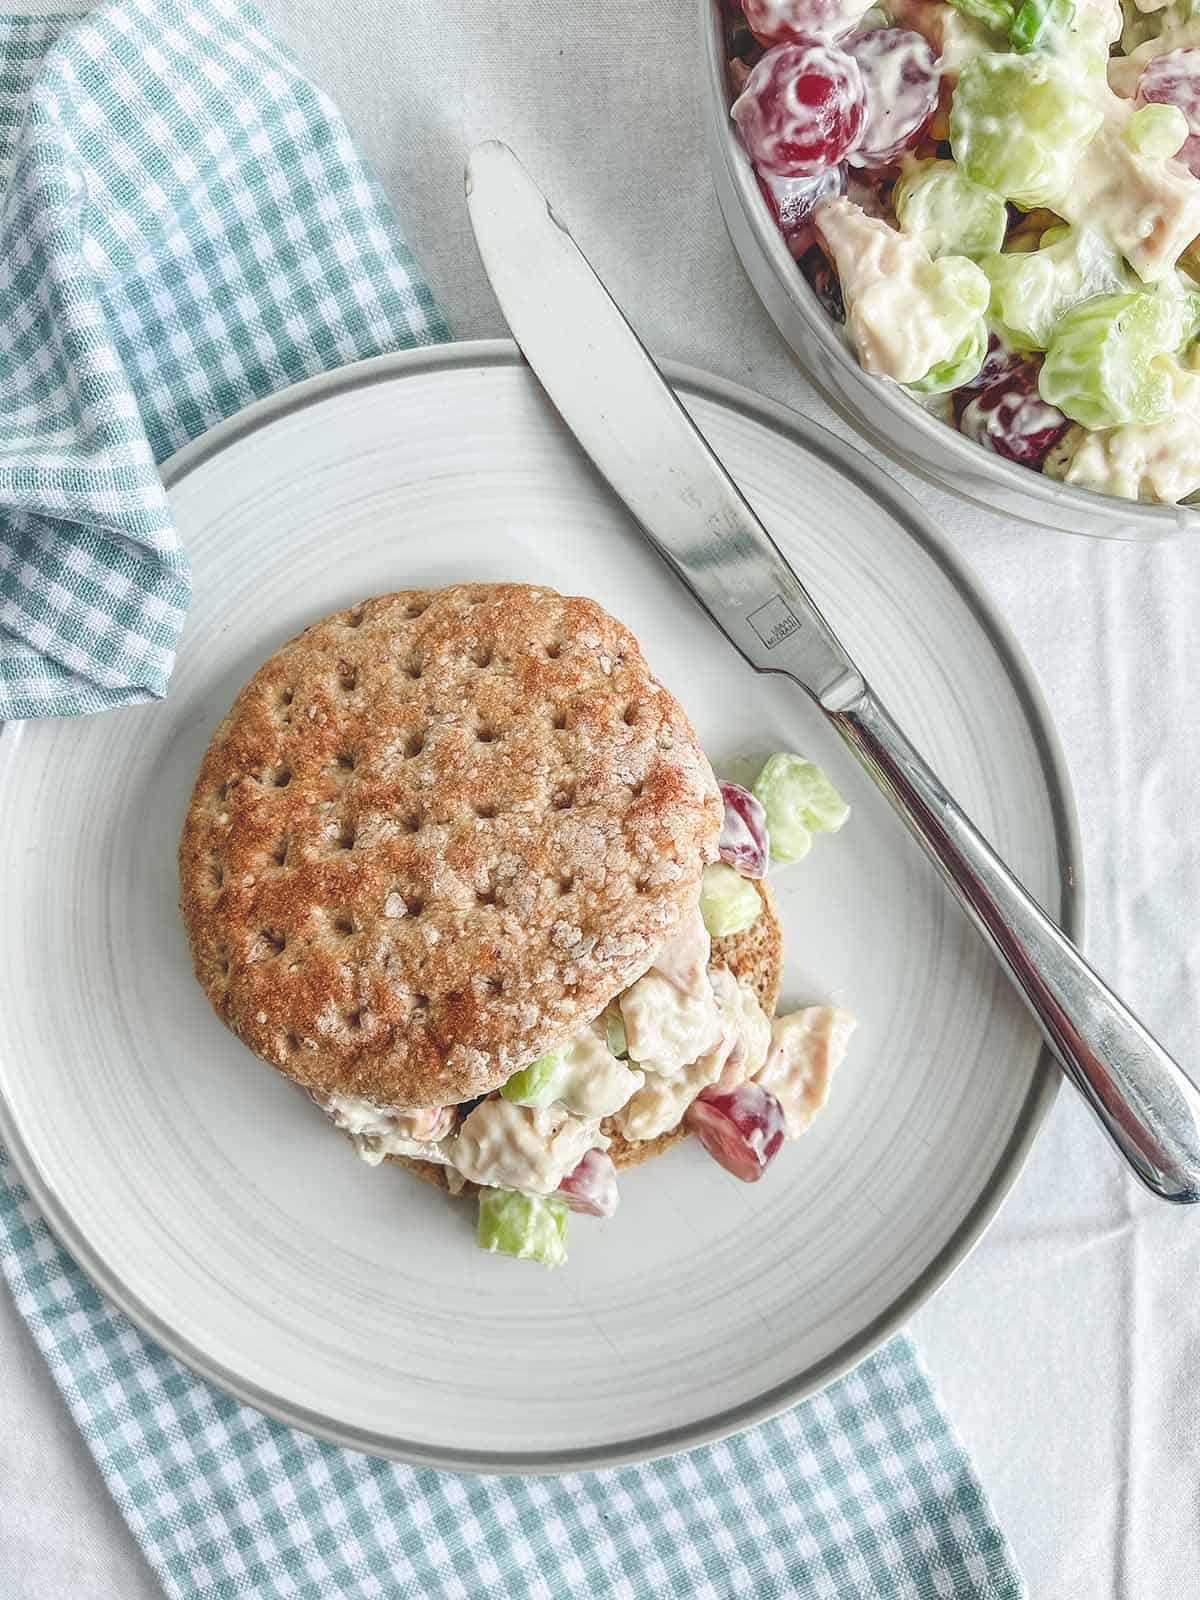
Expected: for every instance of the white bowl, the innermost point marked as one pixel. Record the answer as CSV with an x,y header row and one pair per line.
x,y
877,407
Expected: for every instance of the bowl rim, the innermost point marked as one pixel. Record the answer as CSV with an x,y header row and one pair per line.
x,y
1159,520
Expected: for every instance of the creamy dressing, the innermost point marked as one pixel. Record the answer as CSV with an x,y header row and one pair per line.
x,y
1124,71
710,1028
775,19
1148,208
905,312
381,1131
683,960
807,1047
747,1025
665,1028
594,1083
1159,463
899,95
1104,18
954,37
662,1102
506,1146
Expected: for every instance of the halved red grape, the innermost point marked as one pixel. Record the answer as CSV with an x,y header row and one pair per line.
x,y
802,109
745,844
900,81
1012,419
999,365
1173,79
775,21
742,1129
794,199
592,1186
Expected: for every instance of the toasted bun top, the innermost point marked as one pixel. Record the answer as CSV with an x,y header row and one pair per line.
x,y
436,834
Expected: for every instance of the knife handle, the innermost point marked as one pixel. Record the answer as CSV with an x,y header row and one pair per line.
x,y
1145,1102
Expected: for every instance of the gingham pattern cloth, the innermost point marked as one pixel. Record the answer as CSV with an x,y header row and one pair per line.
x,y
862,1493
187,227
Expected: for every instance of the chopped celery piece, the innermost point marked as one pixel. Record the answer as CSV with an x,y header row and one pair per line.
x,y
614,1032
1019,124
728,902
538,1083
1030,293
527,1226
962,366
949,214
799,801
1156,130
995,15
1041,25
1101,367
1189,318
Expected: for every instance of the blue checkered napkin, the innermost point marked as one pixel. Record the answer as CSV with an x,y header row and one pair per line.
x,y
187,226
860,1494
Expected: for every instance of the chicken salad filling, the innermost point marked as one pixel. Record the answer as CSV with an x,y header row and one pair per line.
x,y
1000,199
685,1042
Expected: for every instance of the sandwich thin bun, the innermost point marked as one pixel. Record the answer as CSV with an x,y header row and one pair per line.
x,y
435,835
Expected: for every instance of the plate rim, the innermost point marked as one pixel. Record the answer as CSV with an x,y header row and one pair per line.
x,y
845,458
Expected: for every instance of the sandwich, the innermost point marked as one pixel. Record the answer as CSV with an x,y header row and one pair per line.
x,y
457,865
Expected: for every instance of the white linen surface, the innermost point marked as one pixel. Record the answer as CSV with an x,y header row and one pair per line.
x,y
1066,1347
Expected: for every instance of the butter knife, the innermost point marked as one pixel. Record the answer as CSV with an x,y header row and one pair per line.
x,y
621,410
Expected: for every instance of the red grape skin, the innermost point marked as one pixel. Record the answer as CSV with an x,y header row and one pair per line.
x,y
744,843
802,109
1173,79
777,21
900,81
742,1129
793,200
999,364
1012,419
592,1186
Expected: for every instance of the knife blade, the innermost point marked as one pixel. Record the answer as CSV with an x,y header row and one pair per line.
x,y
622,411
615,401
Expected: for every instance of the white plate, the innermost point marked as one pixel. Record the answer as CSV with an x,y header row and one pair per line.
x,y
211,1201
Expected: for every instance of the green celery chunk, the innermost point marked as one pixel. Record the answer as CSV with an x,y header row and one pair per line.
x,y
538,1083
995,15
1032,292
728,902
614,1032
1158,131
962,366
1019,124
939,205
799,801
527,1226
1103,366
1041,25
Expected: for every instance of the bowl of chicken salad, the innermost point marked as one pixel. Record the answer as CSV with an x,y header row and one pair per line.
x,y
977,224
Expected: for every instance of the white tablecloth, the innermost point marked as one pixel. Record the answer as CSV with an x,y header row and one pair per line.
x,y
1065,1347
